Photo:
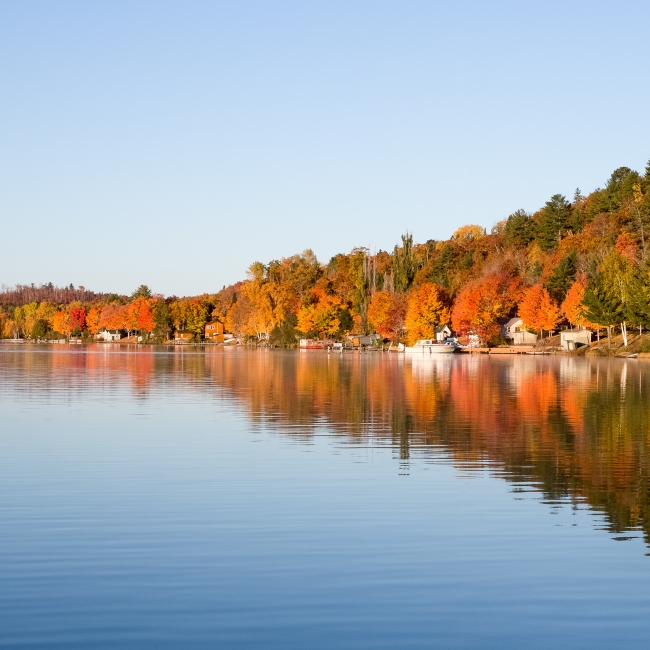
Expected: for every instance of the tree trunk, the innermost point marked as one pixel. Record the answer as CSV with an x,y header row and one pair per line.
x,y
609,336
624,333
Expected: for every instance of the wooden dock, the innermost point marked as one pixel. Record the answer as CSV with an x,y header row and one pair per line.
x,y
517,349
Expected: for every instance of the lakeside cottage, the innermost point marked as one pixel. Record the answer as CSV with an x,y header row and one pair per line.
x,y
572,339
182,335
109,335
214,332
513,329
442,332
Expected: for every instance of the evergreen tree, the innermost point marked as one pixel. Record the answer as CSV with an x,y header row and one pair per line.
x,y
519,229
554,221
602,307
441,266
636,309
143,291
404,267
563,276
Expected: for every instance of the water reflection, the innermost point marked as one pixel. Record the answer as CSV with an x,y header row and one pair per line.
x,y
576,430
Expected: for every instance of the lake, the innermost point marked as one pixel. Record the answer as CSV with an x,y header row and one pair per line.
x,y
216,498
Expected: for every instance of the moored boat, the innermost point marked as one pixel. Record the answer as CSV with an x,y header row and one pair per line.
x,y
427,347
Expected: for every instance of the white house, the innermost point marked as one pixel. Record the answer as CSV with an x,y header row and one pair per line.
x,y
442,332
109,335
572,339
513,328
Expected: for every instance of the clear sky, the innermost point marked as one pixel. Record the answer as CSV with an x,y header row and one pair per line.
x,y
174,143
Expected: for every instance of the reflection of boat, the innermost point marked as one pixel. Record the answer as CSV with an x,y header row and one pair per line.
x,y
427,347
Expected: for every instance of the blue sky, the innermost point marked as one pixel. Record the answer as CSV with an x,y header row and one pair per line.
x,y
174,143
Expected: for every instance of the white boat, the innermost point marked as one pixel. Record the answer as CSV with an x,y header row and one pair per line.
x,y
428,347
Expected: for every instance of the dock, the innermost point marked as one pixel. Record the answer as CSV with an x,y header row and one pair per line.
x,y
517,349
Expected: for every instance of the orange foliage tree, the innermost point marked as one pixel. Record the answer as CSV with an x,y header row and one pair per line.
x,y
480,304
538,310
386,313
572,307
92,319
427,308
140,314
320,313
61,323
112,317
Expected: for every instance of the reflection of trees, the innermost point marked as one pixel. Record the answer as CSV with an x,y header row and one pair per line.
x,y
572,428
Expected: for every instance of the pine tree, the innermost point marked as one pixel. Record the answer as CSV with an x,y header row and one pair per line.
x,y
519,229
602,307
554,221
563,276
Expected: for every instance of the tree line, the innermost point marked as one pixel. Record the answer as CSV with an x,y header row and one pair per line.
x,y
579,263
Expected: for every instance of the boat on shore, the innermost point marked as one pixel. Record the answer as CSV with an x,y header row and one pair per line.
x,y
426,347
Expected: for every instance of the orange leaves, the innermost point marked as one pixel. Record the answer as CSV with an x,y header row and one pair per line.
x,y
112,317
140,314
386,313
427,308
480,304
572,307
61,323
627,246
92,319
538,310
321,313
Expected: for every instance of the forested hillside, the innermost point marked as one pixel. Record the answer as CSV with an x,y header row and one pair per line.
x,y
582,262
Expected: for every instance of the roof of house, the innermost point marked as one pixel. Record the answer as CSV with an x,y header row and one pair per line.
x,y
509,322
442,328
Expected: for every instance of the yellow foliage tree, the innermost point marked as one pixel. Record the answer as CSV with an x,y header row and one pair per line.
x,y
469,233
321,315
427,308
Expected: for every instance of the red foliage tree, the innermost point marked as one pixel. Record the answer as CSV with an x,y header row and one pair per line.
x,y
77,319
480,304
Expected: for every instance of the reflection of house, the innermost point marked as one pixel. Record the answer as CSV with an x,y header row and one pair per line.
x,y
360,339
442,332
182,335
572,339
109,335
513,328
214,332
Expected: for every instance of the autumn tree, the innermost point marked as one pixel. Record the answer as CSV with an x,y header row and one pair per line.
x,y
387,312
481,303
428,307
92,319
320,314
112,317
572,307
77,319
61,323
538,310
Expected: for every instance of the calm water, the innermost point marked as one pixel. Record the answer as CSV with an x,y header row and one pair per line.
x,y
267,499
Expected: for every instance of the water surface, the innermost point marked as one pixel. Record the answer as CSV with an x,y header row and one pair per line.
x,y
245,499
